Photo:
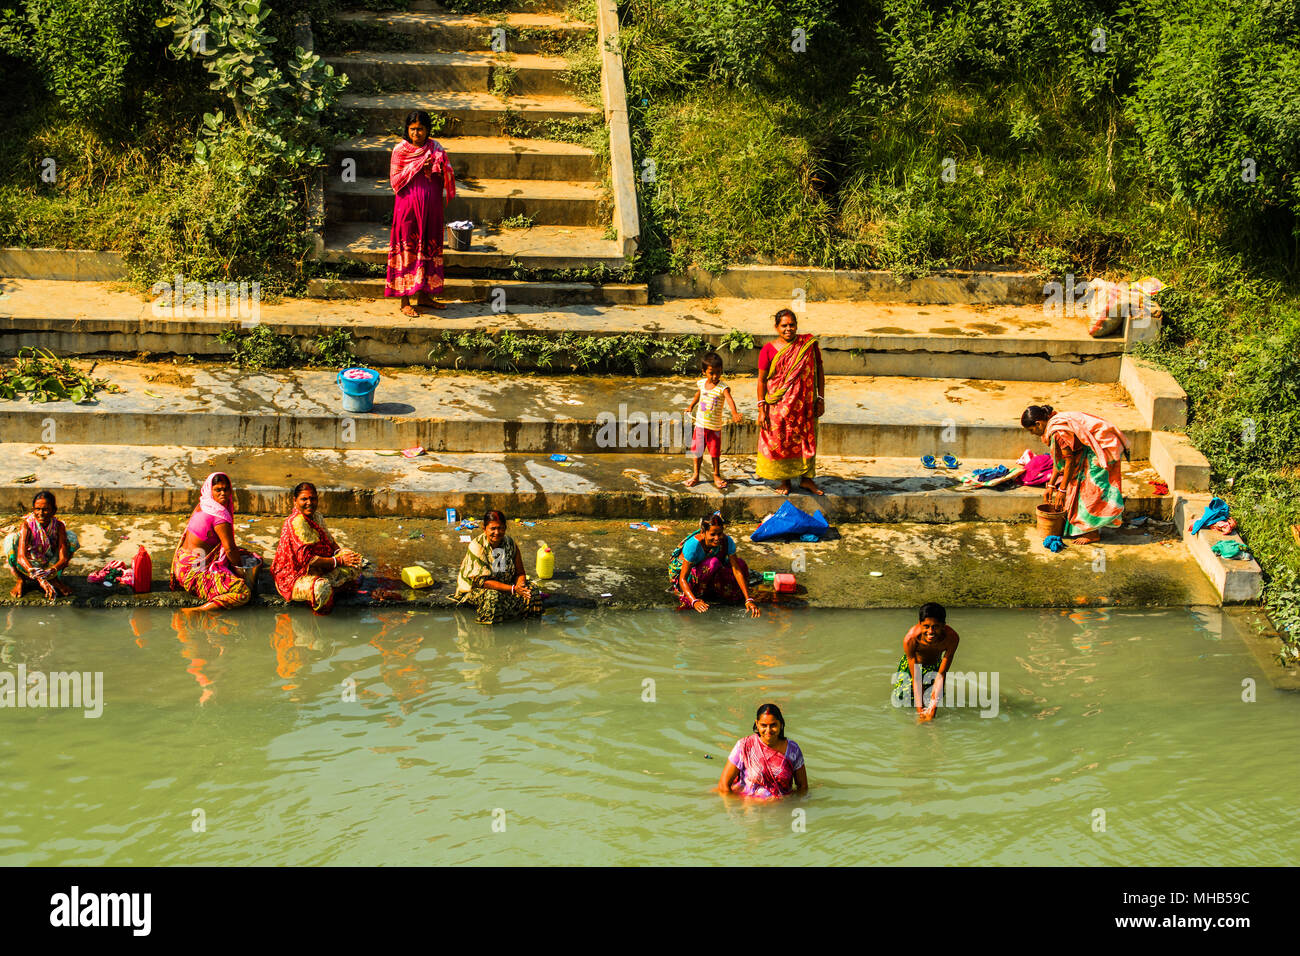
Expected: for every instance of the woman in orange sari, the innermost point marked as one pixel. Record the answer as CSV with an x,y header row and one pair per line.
x,y
791,386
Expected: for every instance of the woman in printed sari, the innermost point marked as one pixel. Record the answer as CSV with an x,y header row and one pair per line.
x,y
705,565
1086,456
40,549
308,565
765,765
791,386
420,173
207,563
492,578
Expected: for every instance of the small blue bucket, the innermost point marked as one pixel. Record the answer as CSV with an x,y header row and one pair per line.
x,y
358,391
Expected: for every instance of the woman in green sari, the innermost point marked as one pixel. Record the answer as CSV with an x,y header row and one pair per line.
x,y
492,578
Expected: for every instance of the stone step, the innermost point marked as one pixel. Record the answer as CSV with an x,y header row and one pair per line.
x,y
528,73
1002,343
463,113
547,202
511,292
164,479
525,32
479,157
540,247
865,416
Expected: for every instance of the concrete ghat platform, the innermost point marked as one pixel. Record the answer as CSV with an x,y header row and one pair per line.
x,y
1021,343
165,479
604,564
224,406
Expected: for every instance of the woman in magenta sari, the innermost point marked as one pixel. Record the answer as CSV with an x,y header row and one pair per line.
x,y
309,566
791,386
420,173
207,563
765,765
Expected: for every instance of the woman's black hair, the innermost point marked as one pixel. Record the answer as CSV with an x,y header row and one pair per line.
x,y
416,116
710,360
48,495
934,612
220,477
776,320
297,489
493,515
1034,414
714,520
775,711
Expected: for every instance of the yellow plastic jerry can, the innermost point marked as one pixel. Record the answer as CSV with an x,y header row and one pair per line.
x,y
545,562
416,577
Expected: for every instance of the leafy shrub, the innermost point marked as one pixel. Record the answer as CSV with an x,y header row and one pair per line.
x,y
1217,109
92,54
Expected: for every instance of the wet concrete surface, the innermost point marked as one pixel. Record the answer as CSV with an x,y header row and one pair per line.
x,y
604,563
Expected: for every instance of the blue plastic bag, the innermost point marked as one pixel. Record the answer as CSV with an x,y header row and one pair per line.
x,y
790,520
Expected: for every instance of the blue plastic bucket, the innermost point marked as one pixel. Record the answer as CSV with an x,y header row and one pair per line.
x,y
358,392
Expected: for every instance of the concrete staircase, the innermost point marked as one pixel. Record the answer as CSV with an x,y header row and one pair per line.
x,y
538,203
903,381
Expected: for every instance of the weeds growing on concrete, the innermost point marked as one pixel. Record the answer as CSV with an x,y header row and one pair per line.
x,y
42,377
572,352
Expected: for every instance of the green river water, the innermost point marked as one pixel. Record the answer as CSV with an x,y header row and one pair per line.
x,y
534,744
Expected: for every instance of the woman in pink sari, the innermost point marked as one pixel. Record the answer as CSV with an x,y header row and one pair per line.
x,y
765,765
207,563
420,173
791,386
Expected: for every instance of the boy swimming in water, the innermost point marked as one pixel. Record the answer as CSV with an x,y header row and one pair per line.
x,y
928,649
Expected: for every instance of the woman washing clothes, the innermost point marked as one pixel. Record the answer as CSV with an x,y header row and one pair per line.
x,y
40,549
492,578
1087,452
207,562
308,565
766,765
704,568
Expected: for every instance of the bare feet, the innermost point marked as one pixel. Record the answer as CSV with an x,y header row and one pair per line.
x,y
17,590
783,488
62,588
429,303
720,483
408,310
809,485
1092,537
692,482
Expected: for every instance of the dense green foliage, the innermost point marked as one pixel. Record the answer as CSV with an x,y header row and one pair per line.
x,y
93,55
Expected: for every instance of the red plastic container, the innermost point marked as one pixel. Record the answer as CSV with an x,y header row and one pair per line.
x,y
783,584
142,572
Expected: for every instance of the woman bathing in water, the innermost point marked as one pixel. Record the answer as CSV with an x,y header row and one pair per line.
x,y
1087,452
765,765
928,650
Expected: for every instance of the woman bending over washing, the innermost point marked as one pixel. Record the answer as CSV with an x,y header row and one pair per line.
x,y
40,549
704,568
1086,455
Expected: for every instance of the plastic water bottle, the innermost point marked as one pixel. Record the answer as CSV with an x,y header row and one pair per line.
x,y
545,562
